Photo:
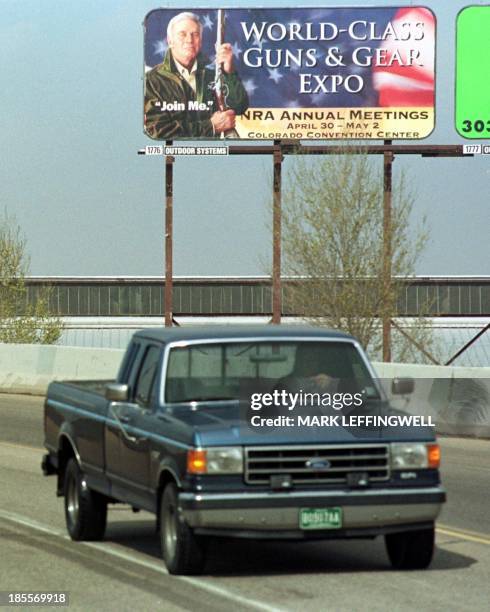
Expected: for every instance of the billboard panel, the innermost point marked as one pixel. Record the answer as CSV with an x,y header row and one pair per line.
x,y
472,83
306,73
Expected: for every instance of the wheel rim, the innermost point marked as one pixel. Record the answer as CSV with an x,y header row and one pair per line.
x,y
170,530
72,502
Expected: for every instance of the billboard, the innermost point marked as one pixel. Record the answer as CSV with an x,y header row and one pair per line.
x,y
472,83
306,73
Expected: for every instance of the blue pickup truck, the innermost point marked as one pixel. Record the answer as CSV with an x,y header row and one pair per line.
x,y
177,435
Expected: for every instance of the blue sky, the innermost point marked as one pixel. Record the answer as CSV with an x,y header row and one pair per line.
x,y
71,125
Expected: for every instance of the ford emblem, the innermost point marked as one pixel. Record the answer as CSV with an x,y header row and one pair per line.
x,y
317,464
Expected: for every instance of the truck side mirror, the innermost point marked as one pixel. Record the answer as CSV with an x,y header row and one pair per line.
x,y
115,392
402,386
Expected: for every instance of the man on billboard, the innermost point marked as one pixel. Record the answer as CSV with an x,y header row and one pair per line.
x,y
181,95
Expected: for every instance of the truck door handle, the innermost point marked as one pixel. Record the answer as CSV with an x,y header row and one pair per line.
x,y
119,420
125,418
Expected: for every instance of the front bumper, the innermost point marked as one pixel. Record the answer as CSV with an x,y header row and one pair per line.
x,y
277,514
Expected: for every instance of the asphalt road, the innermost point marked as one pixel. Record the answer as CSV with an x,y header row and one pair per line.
x,y
125,571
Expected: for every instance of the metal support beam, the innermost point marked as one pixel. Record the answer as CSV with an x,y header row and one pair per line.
x,y
387,252
468,344
415,343
294,147
276,235
169,193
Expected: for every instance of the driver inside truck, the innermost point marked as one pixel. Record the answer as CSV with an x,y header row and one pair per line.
x,y
311,372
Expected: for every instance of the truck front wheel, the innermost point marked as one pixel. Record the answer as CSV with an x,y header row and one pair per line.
x,y
411,549
182,551
85,510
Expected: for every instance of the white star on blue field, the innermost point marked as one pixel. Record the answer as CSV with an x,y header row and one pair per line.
x,y
207,22
160,47
250,86
275,75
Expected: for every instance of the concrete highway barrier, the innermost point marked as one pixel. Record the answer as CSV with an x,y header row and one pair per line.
x,y
29,368
458,398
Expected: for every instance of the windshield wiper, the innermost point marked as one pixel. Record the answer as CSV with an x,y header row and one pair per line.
x,y
201,398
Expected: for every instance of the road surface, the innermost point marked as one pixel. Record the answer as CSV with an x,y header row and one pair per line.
x,y
125,570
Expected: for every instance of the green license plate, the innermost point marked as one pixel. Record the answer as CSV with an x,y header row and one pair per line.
x,y
320,518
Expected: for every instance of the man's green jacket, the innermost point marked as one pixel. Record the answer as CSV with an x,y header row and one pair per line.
x,y
164,84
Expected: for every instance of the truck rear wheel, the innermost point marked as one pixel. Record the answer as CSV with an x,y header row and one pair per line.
x,y
85,510
182,551
411,549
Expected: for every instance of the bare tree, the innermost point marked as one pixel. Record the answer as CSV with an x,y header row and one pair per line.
x,y
21,321
332,220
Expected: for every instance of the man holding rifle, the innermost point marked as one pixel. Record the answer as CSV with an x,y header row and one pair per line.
x,y
183,98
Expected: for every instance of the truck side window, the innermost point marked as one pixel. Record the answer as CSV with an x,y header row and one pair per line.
x,y
129,361
147,376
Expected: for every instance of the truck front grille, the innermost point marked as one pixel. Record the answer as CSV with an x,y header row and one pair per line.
x,y
316,464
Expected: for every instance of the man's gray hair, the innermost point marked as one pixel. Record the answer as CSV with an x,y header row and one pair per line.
x,y
182,17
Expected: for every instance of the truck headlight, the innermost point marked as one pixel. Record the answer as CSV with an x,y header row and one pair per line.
x,y
216,460
414,455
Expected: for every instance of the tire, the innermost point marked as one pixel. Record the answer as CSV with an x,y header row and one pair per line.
x,y
182,551
85,510
411,549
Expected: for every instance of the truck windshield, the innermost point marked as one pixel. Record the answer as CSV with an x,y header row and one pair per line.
x,y
224,371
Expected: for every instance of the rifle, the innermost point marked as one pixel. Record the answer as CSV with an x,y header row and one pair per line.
x,y
219,75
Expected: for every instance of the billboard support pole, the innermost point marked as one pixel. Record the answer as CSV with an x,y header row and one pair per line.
x,y
276,235
388,158
169,196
